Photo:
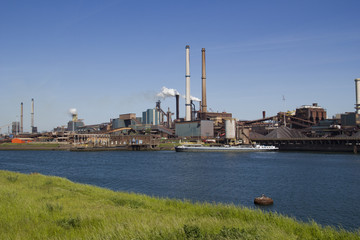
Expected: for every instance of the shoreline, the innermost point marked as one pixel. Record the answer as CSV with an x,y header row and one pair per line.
x,y
70,147
58,208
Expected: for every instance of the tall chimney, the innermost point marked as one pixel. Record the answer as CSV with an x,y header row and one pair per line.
x,y
203,78
32,115
177,106
187,91
357,90
21,118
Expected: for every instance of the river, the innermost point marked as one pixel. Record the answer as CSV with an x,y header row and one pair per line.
x,y
318,186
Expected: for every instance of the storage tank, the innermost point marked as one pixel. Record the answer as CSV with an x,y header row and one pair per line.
x,y
230,129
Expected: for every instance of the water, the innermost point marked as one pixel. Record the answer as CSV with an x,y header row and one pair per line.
x,y
323,187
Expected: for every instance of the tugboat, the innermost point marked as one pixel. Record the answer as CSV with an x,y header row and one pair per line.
x,y
263,200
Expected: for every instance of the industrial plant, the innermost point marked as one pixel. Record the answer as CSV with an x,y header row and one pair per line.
x,y
306,128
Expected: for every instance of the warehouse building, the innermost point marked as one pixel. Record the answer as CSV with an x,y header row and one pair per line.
x,y
201,128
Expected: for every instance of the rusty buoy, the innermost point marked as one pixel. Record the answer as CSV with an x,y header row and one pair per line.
x,y
263,200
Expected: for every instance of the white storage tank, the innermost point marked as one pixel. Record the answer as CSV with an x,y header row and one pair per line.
x,y
230,129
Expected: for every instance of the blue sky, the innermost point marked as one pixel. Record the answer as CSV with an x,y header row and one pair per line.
x,y
105,58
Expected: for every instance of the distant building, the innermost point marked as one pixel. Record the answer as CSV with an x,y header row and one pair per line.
x,y
350,119
215,116
60,129
15,127
125,120
34,130
310,113
75,125
95,128
151,116
200,128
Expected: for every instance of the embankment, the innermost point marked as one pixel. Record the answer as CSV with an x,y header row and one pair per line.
x,y
41,207
35,146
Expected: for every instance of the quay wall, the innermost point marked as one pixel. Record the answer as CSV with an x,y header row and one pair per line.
x,y
314,144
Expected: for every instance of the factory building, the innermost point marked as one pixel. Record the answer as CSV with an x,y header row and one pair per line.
x,y
200,128
124,120
214,116
15,128
95,128
312,113
74,125
152,117
350,119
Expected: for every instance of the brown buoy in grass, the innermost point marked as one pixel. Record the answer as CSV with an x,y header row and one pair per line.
x,y
263,200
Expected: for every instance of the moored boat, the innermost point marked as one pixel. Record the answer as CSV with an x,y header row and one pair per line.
x,y
224,148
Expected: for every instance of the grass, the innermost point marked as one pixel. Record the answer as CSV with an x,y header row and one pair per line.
x,y
169,145
41,207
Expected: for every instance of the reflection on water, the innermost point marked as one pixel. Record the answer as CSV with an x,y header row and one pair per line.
x,y
323,187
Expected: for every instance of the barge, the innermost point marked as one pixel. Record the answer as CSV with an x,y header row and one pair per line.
x,y
224,148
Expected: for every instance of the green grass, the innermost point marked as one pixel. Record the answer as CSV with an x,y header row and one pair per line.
x,y
169,145
41,207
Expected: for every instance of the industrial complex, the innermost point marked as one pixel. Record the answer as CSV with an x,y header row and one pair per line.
x,y
306,128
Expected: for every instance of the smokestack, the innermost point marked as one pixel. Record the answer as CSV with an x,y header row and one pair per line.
x,y
264,114
177,106
32,115
203,78
21,118
187,91
74,114
357,91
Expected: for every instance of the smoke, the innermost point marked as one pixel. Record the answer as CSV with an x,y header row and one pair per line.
x,y
167,92
195,99
72,111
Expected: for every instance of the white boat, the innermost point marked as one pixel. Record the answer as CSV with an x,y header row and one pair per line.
x,y
224,148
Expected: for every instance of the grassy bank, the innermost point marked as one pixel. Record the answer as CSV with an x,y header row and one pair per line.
x,y
168,146
41,207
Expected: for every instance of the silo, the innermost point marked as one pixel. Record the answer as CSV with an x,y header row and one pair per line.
x,y
230,129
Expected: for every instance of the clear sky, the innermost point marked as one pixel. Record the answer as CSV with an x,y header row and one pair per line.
x,y
106,58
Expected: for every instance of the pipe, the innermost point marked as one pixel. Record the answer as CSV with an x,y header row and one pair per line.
x,y
22,118
193,110
357,91
177,106
187,84
203,78
32,115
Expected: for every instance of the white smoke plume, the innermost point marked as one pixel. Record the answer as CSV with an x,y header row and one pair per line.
x,y
167,92
195,99
72,111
